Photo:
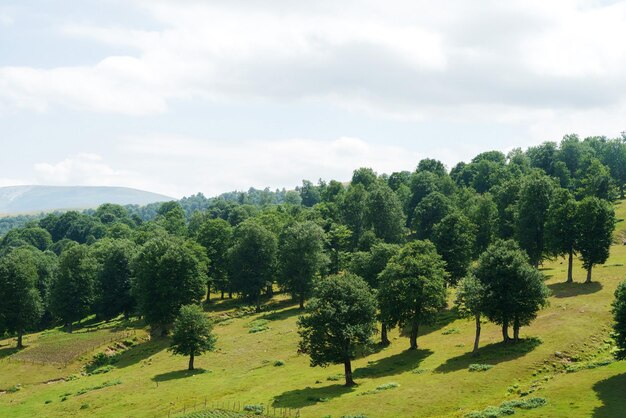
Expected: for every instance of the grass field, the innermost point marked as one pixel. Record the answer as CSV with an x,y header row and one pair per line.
x,y
565,359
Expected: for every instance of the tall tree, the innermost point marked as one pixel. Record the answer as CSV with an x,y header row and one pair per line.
x,y
216,235
532,209
412,287
252,260
169,273
113,277
339,239
365,176
454,239
561,227
21,306
513,289
484,215
340,318
72,294
171,216
432,209
192,333
353,208
595,222
619,317
309,193
385,214
301,258
470,294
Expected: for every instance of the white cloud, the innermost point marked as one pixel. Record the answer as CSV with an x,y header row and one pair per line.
x,y
403,59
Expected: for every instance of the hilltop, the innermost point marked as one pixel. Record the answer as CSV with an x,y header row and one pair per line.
x,y
30,199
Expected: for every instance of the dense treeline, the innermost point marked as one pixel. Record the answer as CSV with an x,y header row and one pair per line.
x,y
393,244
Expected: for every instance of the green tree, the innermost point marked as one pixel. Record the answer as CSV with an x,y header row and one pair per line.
x,y
252,260
595,222
454,238
619,316
171,216
72,293
113,277
385,214
169,273
561,228
365,176
216,235
21,306
484,215
369,265
412,287
301,258
432,209
309,193
513,289
470,294
532,209
339,238
340,317
353,209
192,333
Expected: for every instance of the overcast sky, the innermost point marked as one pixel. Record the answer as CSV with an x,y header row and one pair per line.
x,y
186,96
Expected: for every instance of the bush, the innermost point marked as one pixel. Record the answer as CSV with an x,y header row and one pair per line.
x,y
258,325
279,363
477,367
451,331
255,409
387,386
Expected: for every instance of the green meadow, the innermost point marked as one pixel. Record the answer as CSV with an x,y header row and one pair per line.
x,y
565,358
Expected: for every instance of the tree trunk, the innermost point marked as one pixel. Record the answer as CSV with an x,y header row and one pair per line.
x,y
191,362
270,290
20,333
384,340
621,190
477,338
68,327
230,295
516,327
414,330
258,301
505,331
347,365
208,294
570,264
588,275
222,294
301,301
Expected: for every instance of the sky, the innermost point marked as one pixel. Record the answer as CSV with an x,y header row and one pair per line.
x,y
185,96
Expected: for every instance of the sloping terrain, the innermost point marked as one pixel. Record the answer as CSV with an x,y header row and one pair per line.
x,y
565,358
29,199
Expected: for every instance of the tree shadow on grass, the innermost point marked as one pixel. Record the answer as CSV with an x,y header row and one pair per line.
x,y
396,364
443,319
7,351
142,351
567,290
300,398
177,374
611,393
491,354
284,314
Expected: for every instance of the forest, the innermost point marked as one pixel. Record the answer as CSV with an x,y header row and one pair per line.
x,y
359,259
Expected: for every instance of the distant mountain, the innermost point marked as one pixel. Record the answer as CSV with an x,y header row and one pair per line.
x,y
29,199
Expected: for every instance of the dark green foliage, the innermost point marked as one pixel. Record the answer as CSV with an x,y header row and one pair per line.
x,y
470,296
594,179
595,221
430,211
412,287
385,214
21,306
340,318
170,272
369,264
353,209
561,227
301,258
73,291
171,216
192,333
113,277
215,235
532,208
365,176
619,316
434,166
454,238
309,193
252,260
513,290
484,215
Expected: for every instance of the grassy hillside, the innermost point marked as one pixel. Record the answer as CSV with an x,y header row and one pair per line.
x,y
34,199
564,359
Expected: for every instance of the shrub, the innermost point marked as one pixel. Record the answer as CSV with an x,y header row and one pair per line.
x,y
451,331
255,409
279,363
477,367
